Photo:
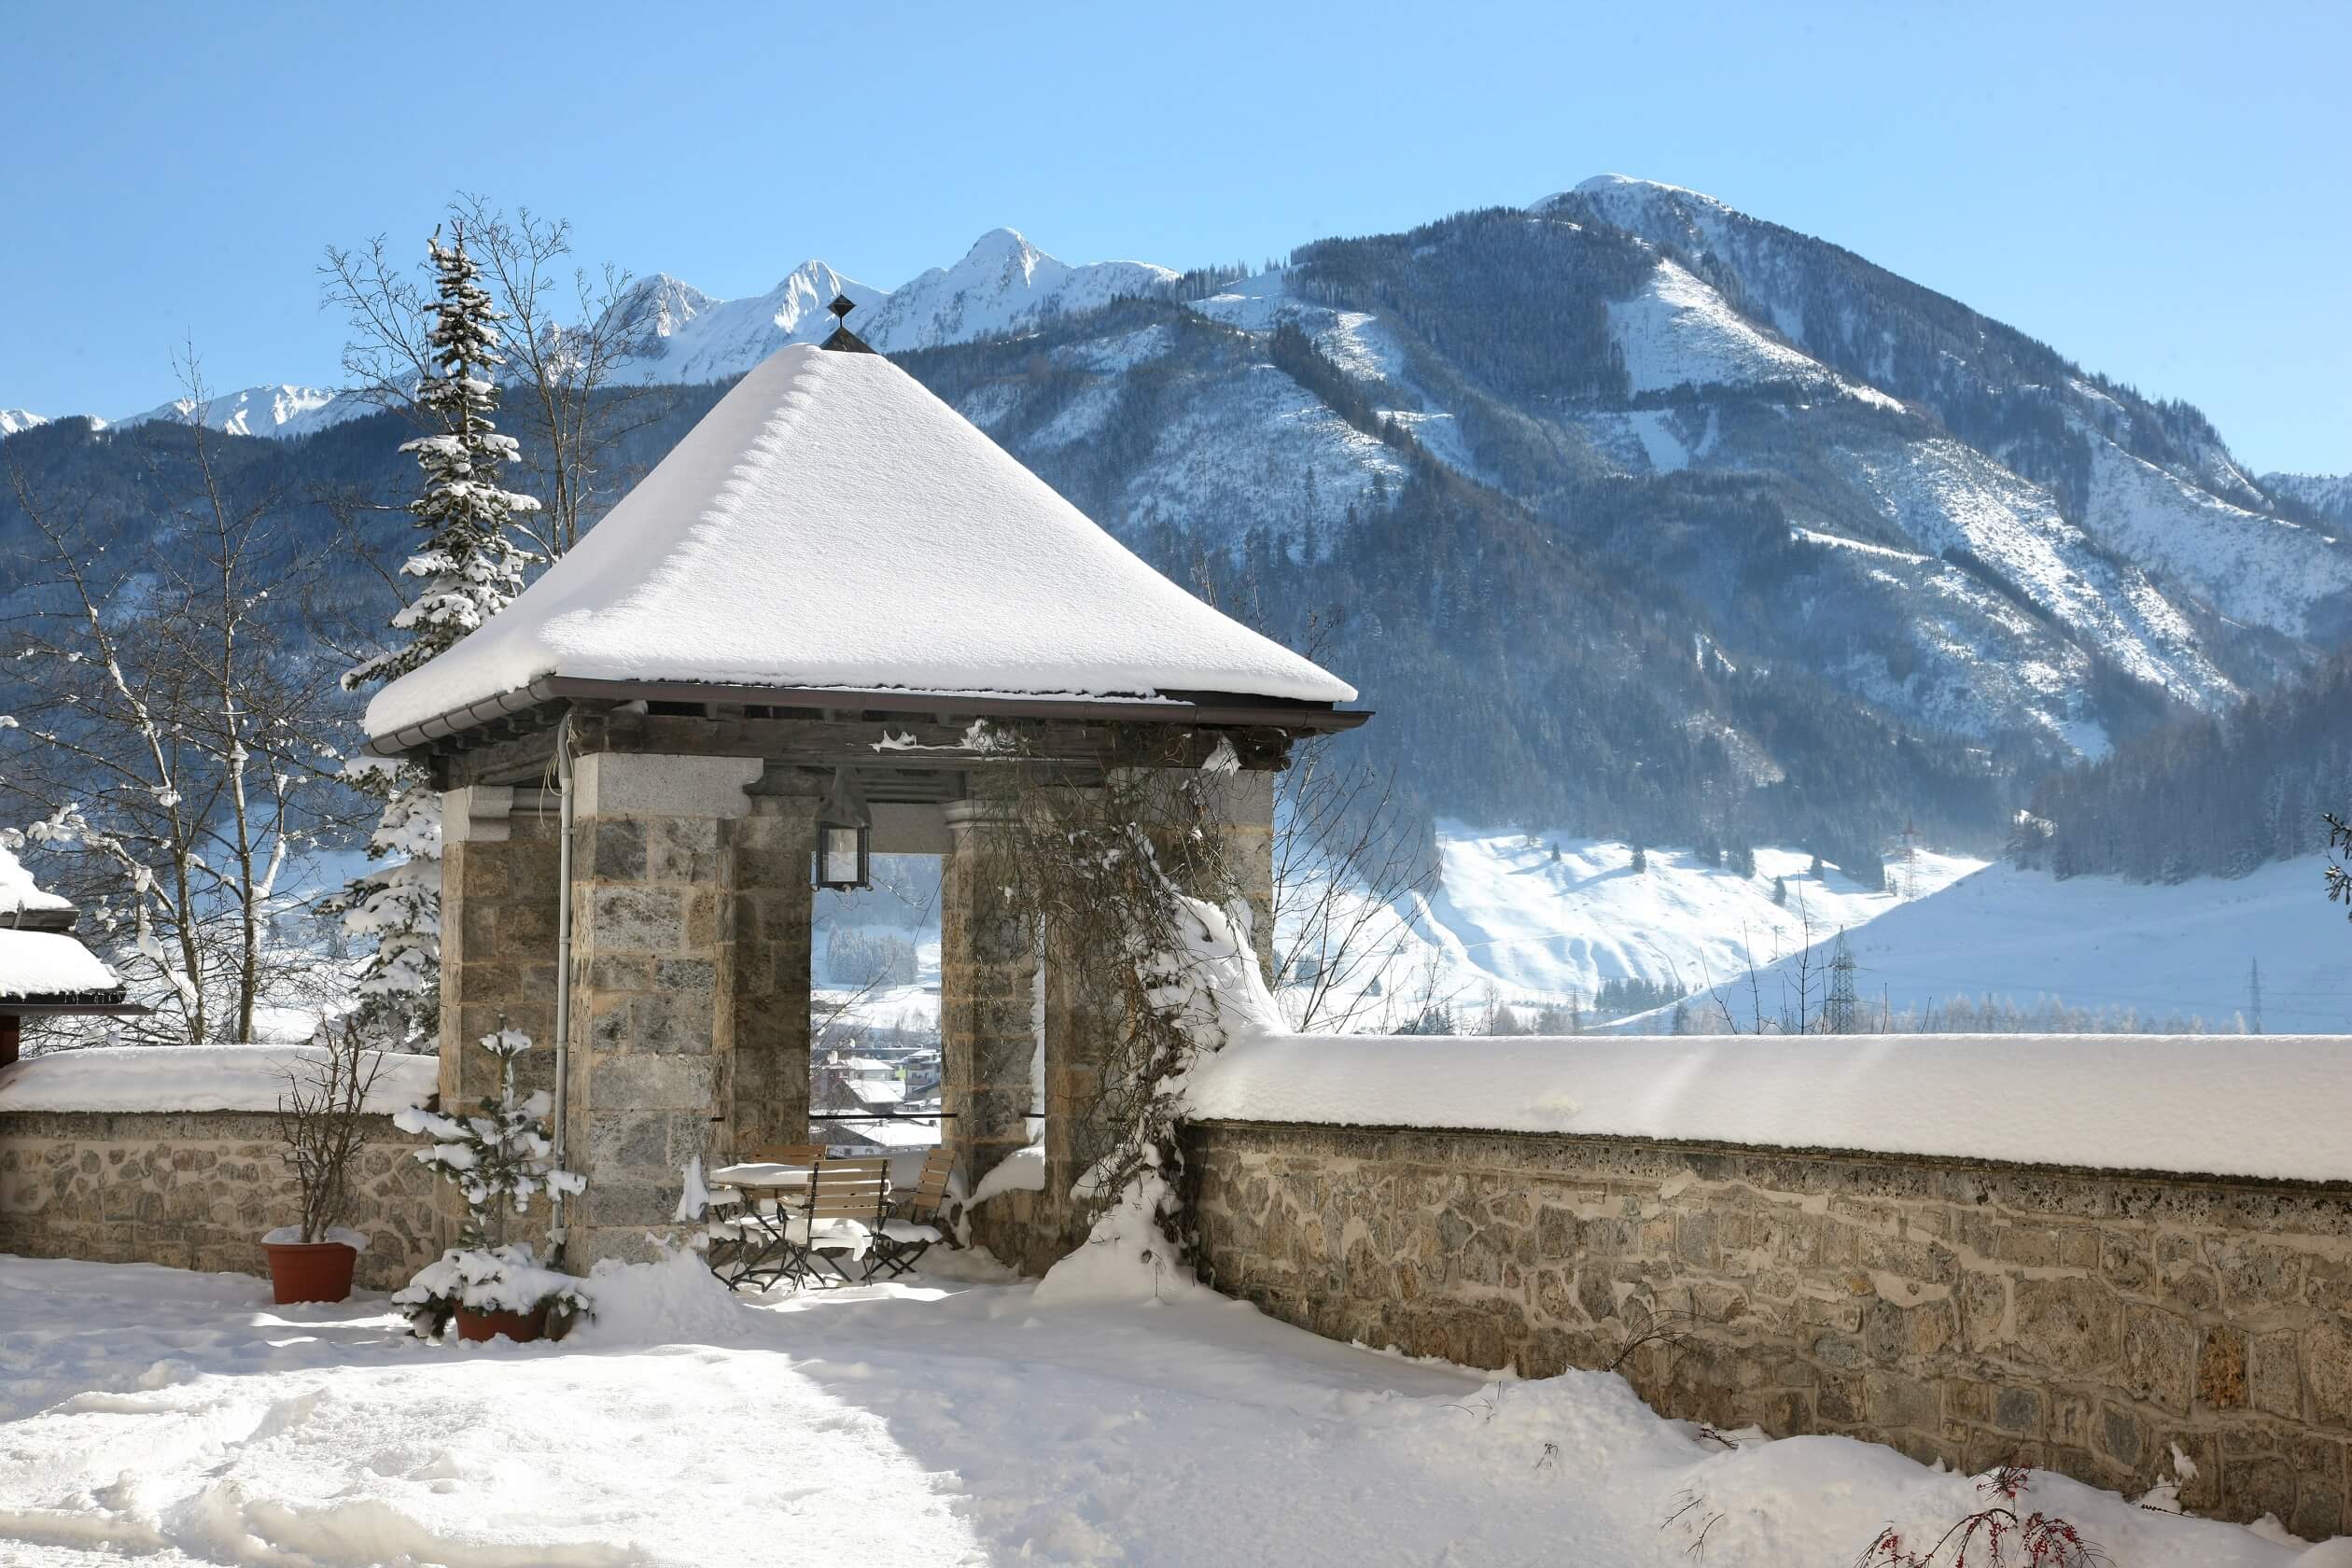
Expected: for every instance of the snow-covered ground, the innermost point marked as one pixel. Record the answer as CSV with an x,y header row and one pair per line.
x,y
169,1418
2102,943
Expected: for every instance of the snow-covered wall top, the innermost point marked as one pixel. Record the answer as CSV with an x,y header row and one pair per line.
x,y
191,1078
2264,1106
831,523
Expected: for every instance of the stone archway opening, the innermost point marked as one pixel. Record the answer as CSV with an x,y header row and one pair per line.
x,y
876,1057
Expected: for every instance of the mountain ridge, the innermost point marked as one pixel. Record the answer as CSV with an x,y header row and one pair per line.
x,y
1737,492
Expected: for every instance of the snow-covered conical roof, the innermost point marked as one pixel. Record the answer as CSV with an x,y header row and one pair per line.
x,y
832,524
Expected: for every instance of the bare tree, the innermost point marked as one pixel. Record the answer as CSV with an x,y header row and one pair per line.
x,y
1346,865
319,1120
570,333
1349,869
168,753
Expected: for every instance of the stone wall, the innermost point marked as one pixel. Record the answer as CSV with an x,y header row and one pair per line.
x,y
194,1189
499,852
2077,1320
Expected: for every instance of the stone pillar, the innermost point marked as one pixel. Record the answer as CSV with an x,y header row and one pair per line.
x,y
499,894
988,1002
772,851
1001,1018
1082,1023
653,932
1244,804
9,1030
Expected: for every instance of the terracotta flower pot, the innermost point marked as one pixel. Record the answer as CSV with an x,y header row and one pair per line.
x,y
309,1270
520,1327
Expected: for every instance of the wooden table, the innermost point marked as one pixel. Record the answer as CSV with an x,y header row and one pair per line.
x,y
761,1248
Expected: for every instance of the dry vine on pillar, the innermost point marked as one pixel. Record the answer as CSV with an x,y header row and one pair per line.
x,y
1126,881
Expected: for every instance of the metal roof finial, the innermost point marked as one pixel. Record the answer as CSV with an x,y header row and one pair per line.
x,y
843,340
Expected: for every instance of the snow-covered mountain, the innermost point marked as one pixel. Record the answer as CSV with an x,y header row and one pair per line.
x,y
2329,496
2156,481
283,410
1721,498
1002,284
1521,918
688,337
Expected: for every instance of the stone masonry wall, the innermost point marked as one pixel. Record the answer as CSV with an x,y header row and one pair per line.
x,y
2077,1320
766,1003
194,1189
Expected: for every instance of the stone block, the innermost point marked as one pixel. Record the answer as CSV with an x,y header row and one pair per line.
x,y
2255,1273
2221,1369
2160,1349
683,849
1983,1301
1893,1402
616,851
2276,1380
626,917
2318,1514
631,1082
2121,1437
2124,1263
2018,1411
2068,1324
2326,1364
2254,1480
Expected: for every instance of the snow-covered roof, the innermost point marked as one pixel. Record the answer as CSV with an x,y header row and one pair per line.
x,y
909,1133
832,524
17,893
39,957
37,964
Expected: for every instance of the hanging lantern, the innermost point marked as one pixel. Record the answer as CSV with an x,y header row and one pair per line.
x,y
844,837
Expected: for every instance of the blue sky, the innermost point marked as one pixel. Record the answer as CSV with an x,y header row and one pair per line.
x,y
2157,191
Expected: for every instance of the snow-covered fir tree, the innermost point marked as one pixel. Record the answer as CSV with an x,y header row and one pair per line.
x,y
470,567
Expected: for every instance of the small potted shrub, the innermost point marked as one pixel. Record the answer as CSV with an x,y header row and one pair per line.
x,y
319,1120
498,1158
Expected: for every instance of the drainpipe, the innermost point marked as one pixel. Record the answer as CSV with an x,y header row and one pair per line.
x,y
562,968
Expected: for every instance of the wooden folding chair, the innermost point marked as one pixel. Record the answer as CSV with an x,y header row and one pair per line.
x,y
915,1221
848,1203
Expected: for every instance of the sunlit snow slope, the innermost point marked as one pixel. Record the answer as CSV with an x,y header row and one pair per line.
x,y
1509,923
2103,944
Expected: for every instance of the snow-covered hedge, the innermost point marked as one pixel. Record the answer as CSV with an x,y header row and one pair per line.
x,y
2265,1106
191,1078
